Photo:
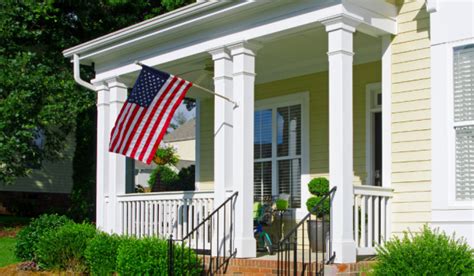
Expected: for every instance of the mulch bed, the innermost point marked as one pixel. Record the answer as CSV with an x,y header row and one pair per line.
x,y
9,231
14,271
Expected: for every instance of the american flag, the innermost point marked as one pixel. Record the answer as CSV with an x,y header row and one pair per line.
x,y
147,113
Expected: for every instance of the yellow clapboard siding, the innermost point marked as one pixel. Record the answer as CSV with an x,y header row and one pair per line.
x,y
421,155
410,56
415,176
410,216
411,126
411,45
408,207
415,115
411,75
423,186
411,65
415,95
411,136
413,227
411,86
411,146
412,197
411,106
409,36
411,6
421,25
412,16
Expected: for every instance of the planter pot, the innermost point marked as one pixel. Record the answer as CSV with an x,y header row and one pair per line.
x,y
316,231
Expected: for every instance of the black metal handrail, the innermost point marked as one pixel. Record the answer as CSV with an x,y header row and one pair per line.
x,y
209,264
299,263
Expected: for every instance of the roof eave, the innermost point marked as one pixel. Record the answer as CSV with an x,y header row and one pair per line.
x,y
143,26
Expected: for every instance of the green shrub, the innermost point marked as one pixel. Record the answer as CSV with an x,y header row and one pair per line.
x,y
28,237
318,186
149,256
187,178
322,210
64,248
426,253
163,175
101,254
281,204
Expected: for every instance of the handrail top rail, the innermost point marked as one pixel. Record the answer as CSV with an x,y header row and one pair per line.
x,y
373,190
289,234
175,195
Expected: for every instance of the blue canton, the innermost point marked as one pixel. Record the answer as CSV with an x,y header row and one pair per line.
x,y
148,84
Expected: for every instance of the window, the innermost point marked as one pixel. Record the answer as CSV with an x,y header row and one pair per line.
x,y
277,153
374,134
463,87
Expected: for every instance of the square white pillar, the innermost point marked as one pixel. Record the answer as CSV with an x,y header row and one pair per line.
x,y
340,53
117,162
243,55
102,168
223,149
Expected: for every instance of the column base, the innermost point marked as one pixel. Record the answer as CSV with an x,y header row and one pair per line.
x,y
345,251
246,247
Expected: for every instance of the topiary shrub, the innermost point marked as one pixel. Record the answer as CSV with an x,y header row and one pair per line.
x,y
63,249
281,204
101,253
163,178
318,187
149,256
28,237
426,253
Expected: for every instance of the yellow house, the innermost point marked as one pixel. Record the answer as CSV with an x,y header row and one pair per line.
x,y
376,96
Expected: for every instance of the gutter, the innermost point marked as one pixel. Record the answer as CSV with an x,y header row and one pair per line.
x,y
77,74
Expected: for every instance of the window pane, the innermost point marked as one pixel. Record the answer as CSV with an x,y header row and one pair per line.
x,y
463,81
262,187
289,180
289,130
465,163
263,134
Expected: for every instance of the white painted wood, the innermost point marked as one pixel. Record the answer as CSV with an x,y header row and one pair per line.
x,y
387,111
102,156
117,168
374,203
243,55
340,52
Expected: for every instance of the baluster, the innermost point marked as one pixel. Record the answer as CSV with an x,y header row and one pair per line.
x,y
376,220
147,218
370,226
362,221
383,220
356,220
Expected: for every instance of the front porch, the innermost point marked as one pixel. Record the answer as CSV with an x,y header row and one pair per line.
x,y
309,79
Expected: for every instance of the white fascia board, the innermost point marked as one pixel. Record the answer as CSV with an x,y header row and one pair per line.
x,y
279,25
143,26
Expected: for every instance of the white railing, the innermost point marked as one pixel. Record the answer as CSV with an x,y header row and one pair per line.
x,y
163,214
371,217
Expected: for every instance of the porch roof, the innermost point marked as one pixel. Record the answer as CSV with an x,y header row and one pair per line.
x,y
188,33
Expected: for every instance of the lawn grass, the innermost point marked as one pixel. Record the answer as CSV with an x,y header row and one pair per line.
x,y
7,248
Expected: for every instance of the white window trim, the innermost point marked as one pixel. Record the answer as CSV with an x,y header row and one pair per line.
x,y
302,99
451,135
371,90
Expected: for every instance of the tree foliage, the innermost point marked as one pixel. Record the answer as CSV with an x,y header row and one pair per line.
x,y
39,100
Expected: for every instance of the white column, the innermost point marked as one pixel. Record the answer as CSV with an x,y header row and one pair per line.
x,y
117,163
102,155
222,138
340,34
387,124
243,54
222,124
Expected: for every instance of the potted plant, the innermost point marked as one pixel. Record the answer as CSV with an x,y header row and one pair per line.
x,y
318,229
281,205
164,177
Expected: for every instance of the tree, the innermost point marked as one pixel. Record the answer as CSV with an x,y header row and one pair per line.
x,y
37,92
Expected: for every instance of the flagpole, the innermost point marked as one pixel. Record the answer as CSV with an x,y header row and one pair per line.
x,y
203,89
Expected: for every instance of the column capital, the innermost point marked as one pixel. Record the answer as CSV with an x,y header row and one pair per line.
x,y
115,82
244,47
341,22
220,53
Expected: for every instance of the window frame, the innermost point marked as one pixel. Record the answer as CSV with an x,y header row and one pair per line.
x,y
302,99
451,131
371,92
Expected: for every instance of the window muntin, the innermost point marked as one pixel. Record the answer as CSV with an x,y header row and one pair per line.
x,y
463,109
